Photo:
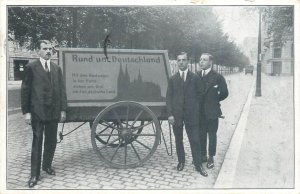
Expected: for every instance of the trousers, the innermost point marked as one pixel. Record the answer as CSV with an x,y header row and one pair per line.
x,y
40,129
193,135
208,127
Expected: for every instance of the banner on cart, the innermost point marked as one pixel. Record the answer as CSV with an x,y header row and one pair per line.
x,y
92,77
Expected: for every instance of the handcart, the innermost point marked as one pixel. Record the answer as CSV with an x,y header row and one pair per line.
x,y
122,95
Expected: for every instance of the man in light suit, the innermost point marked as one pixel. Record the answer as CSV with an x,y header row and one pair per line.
x,y
183,109
215,90
43,101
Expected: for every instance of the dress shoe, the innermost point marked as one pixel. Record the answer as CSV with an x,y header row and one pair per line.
x,y
180,166
32,181
201,170
49,171
210,162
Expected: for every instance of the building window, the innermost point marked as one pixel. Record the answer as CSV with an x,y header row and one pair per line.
x,y
276,68
277,53
277,44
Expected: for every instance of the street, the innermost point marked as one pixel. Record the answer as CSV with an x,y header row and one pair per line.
x,y
78,167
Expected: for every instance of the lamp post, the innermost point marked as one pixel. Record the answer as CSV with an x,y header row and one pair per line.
x,y
258,72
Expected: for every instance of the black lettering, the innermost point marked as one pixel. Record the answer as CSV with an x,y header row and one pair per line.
x,y
74,57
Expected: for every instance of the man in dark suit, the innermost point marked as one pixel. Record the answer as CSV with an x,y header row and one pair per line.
x,y
215,90
43,100
183,109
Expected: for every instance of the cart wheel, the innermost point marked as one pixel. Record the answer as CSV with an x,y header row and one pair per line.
x,y
130,131
104,128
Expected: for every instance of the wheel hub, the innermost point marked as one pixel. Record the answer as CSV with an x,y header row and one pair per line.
x,y
127,135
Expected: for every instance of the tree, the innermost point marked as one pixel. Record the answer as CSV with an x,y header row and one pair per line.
x,y
29,24
193,29
279,22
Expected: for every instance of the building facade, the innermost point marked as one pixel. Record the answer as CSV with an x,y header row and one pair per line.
x,y
17,58
278,59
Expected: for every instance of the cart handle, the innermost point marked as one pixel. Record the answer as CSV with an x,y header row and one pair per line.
x,y
61,135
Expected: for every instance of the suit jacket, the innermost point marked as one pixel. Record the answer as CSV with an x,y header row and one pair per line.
x,y
182,99
215,90
41,94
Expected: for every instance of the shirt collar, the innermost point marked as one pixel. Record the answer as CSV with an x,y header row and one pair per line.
x,y
207,71
185,71
43,63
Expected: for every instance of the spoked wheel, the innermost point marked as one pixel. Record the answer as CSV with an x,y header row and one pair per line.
x,y
110,127
125,134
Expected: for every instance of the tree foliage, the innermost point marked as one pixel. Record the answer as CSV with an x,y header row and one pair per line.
x,y
193,29
279,22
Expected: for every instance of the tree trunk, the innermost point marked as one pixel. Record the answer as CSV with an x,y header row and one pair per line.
x,y
74,27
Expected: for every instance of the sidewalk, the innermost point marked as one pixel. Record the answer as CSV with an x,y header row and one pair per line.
x,y
14,85
265,156
13,96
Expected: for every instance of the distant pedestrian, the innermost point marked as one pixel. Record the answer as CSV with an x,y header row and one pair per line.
x,y
43,99
215,90
183,109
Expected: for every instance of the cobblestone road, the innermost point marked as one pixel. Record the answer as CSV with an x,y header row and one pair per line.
x,y
78,167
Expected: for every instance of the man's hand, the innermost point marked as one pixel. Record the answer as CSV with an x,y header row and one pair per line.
x,y
28,118
171,120
62,116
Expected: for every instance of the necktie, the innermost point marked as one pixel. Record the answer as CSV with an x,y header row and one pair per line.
x,y
46,67
47,70
182,76
203,74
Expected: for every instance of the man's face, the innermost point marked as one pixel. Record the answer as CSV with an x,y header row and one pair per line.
x,y
182,62
205,63
45,51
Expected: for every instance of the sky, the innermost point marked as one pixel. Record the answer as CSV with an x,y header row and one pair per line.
x,y
238,22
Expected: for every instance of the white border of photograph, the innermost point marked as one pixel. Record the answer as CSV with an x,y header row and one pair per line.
x,y
3,87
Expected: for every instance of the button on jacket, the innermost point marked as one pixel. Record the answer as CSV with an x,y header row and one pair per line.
x,y
42,95
215,90
183,98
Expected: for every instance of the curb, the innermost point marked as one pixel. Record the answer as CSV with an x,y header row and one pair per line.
x,y
14,111
226,175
